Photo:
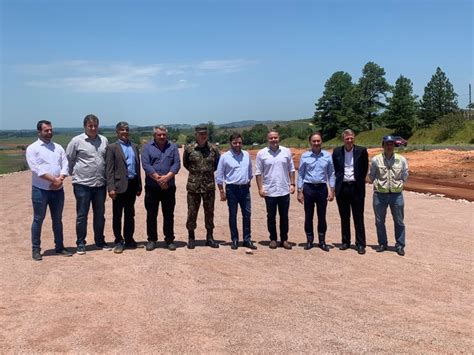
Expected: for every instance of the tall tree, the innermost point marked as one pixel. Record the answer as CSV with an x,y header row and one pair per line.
x,y
402,107
439,98
372,88
329,115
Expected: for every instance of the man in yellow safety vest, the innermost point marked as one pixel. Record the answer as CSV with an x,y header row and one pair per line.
x,y
388,172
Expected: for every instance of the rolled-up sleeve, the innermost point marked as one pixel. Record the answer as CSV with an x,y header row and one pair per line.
x,y
291,165
71,155
64,164
32,161
220,171
258,165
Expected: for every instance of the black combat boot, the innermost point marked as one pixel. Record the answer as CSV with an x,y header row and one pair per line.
x,y
210,240
191,240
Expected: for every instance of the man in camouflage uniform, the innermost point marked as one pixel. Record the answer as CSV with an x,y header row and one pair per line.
x,y
201,159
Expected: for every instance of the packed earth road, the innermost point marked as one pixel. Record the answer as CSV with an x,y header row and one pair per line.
x,y
222,301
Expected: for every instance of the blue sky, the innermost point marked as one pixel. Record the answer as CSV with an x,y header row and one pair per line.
x,y
151,62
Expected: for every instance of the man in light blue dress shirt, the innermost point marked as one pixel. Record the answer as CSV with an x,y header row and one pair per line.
x,y
315,172
235,170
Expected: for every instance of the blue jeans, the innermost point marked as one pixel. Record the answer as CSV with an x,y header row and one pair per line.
x,y
283,205
41,199
85,195
380,202
239,195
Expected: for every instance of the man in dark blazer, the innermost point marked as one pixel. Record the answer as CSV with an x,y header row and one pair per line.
x,y
124,184
351,163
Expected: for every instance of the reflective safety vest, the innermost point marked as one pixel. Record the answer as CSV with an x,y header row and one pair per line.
x,y
389,178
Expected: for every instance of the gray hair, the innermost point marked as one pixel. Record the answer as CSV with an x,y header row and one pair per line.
x,y
121,124
348,132
160,127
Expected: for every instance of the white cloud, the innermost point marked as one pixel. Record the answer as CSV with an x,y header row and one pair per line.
x,y
93,76
224,65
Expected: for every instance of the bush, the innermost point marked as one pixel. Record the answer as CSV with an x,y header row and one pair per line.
x,y
448,125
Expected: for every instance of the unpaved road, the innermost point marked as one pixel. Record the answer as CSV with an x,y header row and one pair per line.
x,y
207,300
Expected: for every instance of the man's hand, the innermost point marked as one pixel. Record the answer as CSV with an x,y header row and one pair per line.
x,y
56,184
331,195
262,192
112,194
223,196
292,189
300,197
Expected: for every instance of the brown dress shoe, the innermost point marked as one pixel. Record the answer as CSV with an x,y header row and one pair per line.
x,y
273,244
286,245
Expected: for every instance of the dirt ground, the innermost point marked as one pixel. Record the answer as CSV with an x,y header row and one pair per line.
x,y
224,301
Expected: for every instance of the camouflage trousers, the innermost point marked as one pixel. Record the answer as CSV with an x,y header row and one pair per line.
x,y
194,201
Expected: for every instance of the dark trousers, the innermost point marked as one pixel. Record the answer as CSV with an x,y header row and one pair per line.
x,y
194,201
42,199
153,197
315,194
124,203
85,196
350,199
283,205
239,195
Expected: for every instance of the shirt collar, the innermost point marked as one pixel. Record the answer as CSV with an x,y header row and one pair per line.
x,y
317,155
127,143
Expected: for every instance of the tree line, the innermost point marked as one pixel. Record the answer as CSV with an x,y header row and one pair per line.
x,y
372,102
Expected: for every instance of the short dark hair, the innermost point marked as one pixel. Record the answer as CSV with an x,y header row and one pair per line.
x,y
120,125
317,133
39,125
234,136
90,117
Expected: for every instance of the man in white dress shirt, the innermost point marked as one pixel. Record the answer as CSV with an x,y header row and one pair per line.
x,y
48,164
275,175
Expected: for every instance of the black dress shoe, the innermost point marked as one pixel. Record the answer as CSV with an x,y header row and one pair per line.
x,y
150,245
360,250
191,244
344,246
37,255
323,246
212,243
234,245
250,245
308,246
400,251
381,248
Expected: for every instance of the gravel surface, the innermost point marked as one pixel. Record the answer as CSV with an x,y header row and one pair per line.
x,y
222,301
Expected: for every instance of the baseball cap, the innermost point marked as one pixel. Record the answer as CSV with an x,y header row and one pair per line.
x,y
388,138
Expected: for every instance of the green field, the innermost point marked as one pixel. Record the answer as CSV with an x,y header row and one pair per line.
x,y
12,154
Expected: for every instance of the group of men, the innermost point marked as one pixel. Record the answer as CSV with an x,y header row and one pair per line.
x,y
98,168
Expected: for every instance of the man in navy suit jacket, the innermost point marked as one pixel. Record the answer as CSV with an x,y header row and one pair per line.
x,y
124,184
351,163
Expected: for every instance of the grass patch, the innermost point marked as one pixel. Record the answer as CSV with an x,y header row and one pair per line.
x,y
12,161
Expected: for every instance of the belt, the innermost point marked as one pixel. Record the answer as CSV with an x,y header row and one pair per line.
x,y
243,186
349,182
315,183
